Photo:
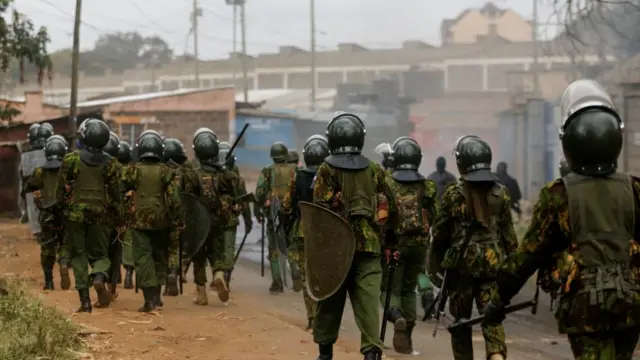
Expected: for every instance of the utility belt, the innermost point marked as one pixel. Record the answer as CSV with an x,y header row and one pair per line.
x,y
597,281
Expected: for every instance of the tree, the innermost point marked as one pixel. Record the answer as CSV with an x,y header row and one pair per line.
x,y
21,44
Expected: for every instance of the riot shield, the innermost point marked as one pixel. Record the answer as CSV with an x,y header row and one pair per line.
x,y
197,224
33,214
31,160
329,247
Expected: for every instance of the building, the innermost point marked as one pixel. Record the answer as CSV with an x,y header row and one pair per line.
x,y
482,66
32,108
489,20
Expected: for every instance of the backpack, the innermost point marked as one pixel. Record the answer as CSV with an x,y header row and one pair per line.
x,y
210,190
411,214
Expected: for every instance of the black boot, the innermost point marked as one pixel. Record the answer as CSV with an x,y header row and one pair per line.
x,y
85,301
172,288
400,340
48,280
100,285
373,355
128,277
326,351
158,299
149,299
276,287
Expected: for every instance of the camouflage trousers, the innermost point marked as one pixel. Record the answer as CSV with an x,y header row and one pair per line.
x,y
461,300
405,280
212,251
229,248
89,247
127,248
363,287
52,248
150,257
296,255
615,345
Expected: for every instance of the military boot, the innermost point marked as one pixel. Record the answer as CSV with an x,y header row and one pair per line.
x,y
85,301
65,280
221,286
172,288
201,296
149,295
326,351
48,280
409,332
104,296
158,298
400,340
373,355
128,277
276,284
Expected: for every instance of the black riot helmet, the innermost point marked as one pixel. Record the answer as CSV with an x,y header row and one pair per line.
x,y
45,131
315,150
150,146
47,125
591,130
407,154
206,146
345,134
229,162
94,135
473,158
293,157
279,152
113,145
55,148
32,134
564,167
60,138
124,153
174,150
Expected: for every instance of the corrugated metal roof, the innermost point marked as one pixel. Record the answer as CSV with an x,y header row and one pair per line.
x,y
139,97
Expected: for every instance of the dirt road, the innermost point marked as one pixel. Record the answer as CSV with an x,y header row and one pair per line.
x,y
254,325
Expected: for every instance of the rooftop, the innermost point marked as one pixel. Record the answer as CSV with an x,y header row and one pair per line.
x,y
139,97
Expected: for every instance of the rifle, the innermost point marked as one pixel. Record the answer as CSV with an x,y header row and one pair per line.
x,y
387,301
443,295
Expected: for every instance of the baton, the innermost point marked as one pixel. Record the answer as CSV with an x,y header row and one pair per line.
x,y
235,143
262,250
479,319
387,300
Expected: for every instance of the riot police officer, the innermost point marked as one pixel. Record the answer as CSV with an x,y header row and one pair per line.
x,y
113,145
124,153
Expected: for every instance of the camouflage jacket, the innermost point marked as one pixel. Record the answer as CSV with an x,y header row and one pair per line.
x,y
171,183
263,190
84,212
326,193
429,205
455,222
187,176
226,192
547,246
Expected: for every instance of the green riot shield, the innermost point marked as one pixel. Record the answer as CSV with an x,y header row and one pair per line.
x,y
329,247
197,224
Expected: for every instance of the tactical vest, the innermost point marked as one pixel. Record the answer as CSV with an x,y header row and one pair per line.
x,y
50,183
280,177
89,187
149,202
409,196
602,221
484,251
358,192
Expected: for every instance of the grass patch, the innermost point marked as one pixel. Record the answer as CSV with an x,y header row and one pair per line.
x,y
31,330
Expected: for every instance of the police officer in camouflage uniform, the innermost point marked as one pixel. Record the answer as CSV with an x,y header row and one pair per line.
x,y
37,137
471,235
229,163
51,239
88,191
416,201
156,217
124,158
300,189
348,178
115,246
215,189
590,218
175,157
273,185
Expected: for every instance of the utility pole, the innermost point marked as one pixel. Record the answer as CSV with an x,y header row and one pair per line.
x,y
235,39
536,45
313,55
194,26
243,25
75,62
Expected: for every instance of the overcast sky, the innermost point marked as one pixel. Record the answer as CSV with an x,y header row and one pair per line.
x,y
270,23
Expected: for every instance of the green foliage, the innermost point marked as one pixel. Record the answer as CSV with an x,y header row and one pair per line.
x,y
30,330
